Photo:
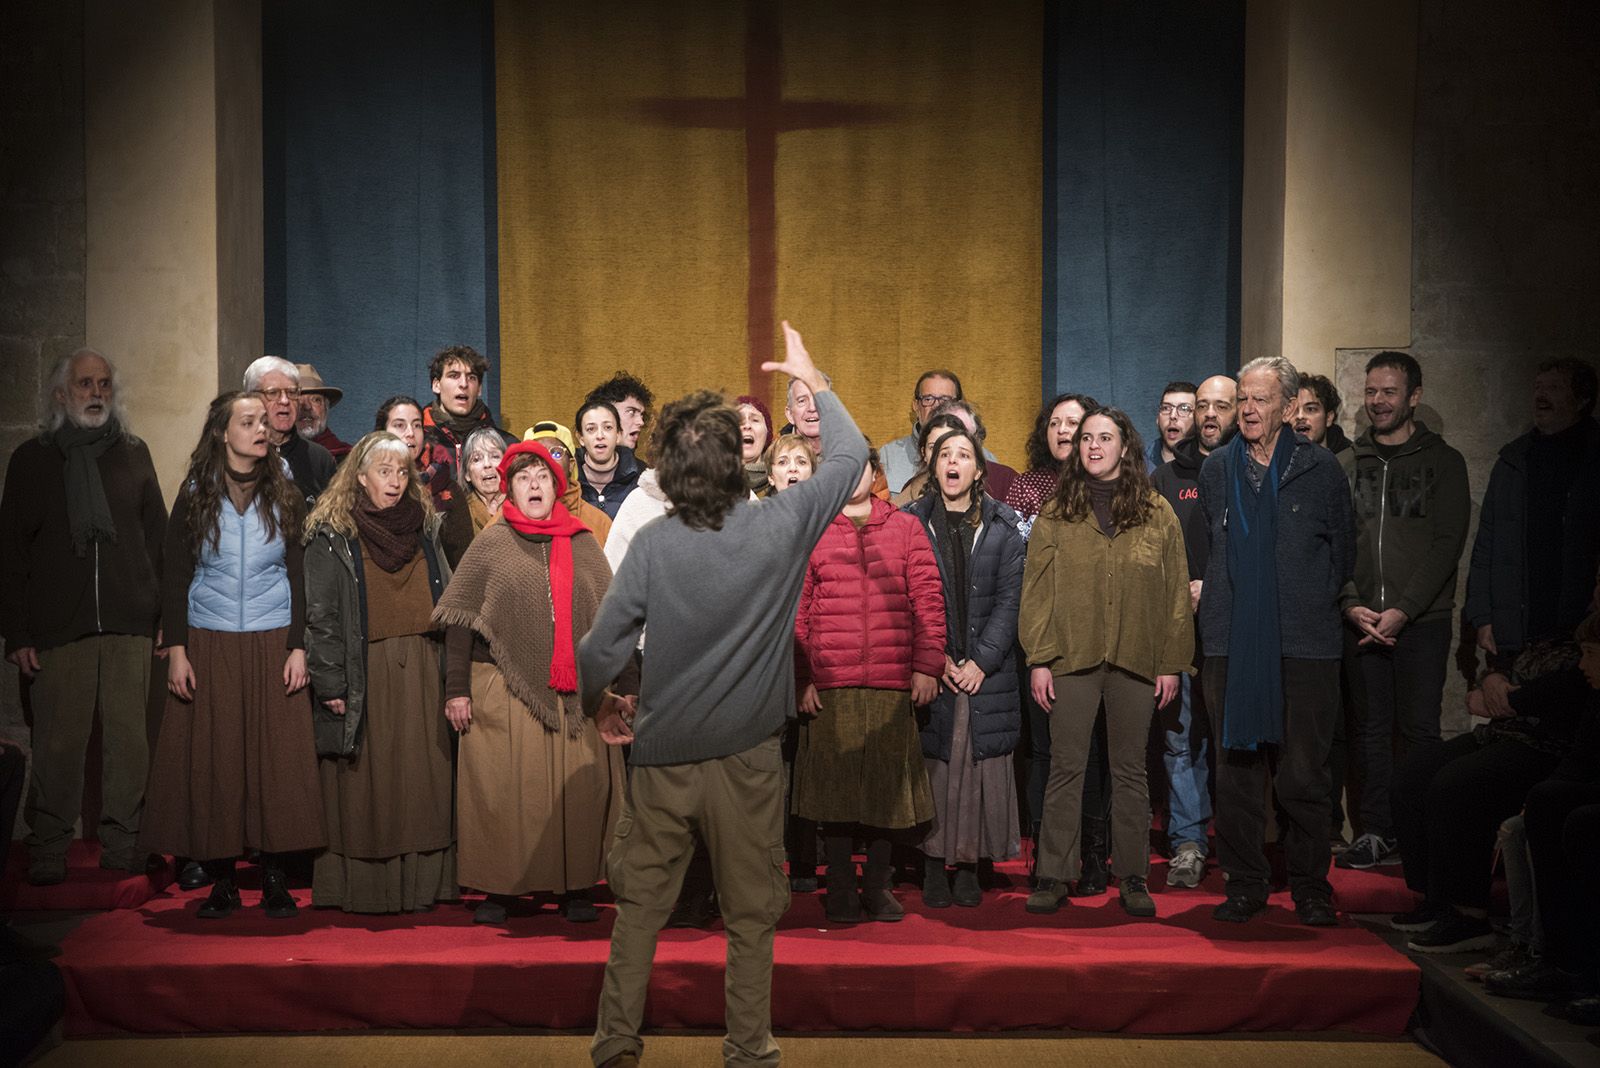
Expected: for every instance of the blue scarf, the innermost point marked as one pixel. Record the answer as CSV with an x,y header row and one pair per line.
x,y
1253,701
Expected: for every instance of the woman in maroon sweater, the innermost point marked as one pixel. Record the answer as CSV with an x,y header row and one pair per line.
x,y
870,647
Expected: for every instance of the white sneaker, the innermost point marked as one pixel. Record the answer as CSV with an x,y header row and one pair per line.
x,y
1187,867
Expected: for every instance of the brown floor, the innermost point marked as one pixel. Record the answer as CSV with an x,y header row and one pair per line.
x,y
432,1050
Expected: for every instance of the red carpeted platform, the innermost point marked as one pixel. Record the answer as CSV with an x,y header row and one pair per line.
x,y
89,887
159,969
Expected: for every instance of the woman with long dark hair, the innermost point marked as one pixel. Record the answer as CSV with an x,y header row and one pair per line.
x,y
374,570
1048,448
1105,618
235,767
973,726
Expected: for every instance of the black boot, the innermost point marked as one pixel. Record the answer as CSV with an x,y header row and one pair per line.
x,y
1092,879
935,884
968,891
275,897
578,907
877,899
224,896
842,903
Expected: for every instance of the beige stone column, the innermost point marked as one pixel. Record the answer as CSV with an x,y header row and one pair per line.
x,y
173,176
1329,115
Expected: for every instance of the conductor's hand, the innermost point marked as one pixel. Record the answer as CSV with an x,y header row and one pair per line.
x,y
797,361
612,720
924,688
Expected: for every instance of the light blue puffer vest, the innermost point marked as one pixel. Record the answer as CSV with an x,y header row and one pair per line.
x,y
242,584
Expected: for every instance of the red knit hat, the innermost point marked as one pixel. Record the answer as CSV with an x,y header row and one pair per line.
x,y
532,448
758,405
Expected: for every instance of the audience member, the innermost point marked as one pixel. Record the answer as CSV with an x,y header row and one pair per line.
x,y
1412,510
82,525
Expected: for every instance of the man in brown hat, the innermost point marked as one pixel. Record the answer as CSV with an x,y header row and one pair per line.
x,y
316,399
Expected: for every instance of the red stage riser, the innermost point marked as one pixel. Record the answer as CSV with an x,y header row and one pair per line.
x,y
161,970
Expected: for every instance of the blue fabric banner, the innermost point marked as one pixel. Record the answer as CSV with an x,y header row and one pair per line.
x,y
1143,174
380,192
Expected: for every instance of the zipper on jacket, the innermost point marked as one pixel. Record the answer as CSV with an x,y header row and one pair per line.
x,y
866,593
242,546
1383,512
97,626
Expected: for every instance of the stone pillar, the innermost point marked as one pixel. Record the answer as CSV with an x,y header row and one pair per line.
x,y
172,154
1326,243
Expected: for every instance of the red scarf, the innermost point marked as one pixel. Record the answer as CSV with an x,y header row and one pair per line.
x,y
559,526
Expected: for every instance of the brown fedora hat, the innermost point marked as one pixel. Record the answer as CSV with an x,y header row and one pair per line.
x,y
311,382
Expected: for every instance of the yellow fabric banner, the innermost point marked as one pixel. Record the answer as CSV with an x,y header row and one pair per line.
x,y
675,178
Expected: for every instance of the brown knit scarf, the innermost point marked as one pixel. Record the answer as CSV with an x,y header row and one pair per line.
x,y
501,591
390,534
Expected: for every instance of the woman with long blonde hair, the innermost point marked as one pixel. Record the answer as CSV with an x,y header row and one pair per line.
x,y
374,571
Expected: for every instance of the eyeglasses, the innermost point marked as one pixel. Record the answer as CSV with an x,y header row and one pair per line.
x,y
556,452
1177,409
929,399
279,394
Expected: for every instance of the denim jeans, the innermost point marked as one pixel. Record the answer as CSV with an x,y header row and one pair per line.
x,y
1186,755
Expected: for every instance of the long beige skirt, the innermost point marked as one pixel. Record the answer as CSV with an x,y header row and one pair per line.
x,y
388,809
534,807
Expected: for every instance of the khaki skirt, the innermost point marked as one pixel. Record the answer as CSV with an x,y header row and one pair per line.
x,y
534,807
860,761
236,768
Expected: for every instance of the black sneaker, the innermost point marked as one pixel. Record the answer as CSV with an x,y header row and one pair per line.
x,y
1537,981
1239,909
1420,918
1455,933
1369,851
1316,911
275,897
221,902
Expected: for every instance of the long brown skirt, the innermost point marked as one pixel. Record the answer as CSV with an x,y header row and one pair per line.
x,y
236,768
535,807
388,809
860,761
975,801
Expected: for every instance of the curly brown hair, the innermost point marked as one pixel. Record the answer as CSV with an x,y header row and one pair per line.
x,y
1132,504
284,509
699,466
1040,458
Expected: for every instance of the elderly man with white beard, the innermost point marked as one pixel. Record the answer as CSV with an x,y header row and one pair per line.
x,y
81,528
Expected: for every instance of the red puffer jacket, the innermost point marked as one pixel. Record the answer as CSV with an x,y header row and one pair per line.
x,y
872,607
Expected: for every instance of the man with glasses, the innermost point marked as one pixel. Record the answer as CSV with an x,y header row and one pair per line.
x,y
901,461
278,382
1174,422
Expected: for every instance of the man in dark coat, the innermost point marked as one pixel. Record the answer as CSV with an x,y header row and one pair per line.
x,y
81,527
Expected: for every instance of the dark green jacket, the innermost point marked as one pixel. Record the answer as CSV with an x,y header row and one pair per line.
x,y
336,632
1412,513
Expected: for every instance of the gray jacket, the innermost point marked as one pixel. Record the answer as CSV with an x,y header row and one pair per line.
x,y
336,632
718,675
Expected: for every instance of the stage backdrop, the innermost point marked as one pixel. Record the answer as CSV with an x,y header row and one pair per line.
x,y
1144,154
674,178
379,156
580,188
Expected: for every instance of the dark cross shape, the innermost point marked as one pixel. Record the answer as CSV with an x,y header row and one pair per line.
x,y
762,114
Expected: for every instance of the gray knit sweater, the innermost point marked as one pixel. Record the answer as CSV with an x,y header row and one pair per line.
x,y
718,673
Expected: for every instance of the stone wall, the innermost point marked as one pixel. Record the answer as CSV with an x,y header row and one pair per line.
x,y
42,245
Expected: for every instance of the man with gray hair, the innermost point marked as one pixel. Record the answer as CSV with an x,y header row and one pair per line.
x,y
81,527
1282,531
278,382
